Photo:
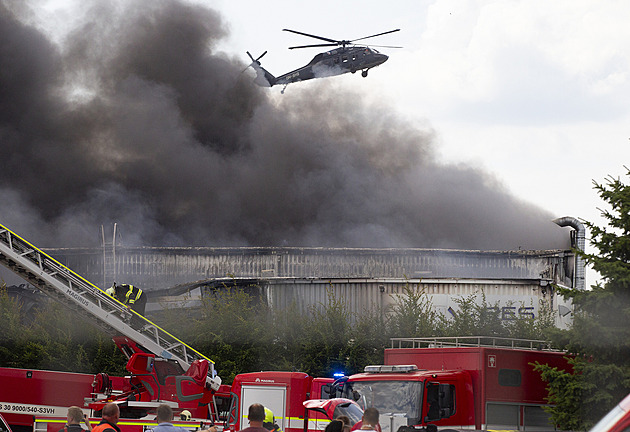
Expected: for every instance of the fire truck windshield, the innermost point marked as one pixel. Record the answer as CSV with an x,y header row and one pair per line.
x,y
391,398
352,411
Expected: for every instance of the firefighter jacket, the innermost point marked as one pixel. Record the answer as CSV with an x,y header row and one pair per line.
x,y
105,426
128,294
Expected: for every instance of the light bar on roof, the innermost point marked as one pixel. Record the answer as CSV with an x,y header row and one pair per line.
x,y
390,368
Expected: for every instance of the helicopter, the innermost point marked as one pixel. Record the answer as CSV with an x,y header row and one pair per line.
x,y
349,57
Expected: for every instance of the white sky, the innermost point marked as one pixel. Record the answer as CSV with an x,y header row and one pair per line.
x,y
534,91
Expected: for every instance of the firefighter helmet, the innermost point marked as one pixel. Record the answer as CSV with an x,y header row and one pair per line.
x,y
185,415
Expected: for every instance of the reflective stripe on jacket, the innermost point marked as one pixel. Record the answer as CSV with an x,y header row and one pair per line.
x,y
129,295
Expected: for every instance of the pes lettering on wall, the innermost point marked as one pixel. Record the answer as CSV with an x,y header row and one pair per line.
x,y
511,313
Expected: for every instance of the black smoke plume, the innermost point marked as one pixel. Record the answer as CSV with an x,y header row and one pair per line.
x,y
135,118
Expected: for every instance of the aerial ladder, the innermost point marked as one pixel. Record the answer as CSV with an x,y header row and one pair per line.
x,y
89,301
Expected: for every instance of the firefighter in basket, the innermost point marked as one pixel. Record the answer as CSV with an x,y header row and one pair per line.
x,y
129,295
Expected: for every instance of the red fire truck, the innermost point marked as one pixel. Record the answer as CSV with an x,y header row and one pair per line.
x,y
295,398
162,368
474,382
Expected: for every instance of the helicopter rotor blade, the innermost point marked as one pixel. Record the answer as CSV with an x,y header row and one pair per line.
x,y
313,46
313,36
380,46
378,34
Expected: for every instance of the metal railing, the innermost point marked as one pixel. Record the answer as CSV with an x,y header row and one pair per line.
x,y
472,341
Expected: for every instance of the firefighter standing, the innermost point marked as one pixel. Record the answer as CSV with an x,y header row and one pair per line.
x,y
110,415
270,421
130,296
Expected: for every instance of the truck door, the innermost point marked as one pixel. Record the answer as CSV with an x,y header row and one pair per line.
x,y
272,397
440,401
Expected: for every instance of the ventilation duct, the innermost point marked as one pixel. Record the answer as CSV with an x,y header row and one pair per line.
x,y
579,243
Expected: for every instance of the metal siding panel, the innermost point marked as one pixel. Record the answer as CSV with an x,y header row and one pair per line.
x,y
365,294
164,267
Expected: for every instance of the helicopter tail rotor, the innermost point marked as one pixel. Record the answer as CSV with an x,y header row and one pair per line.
x,y
263,77
257,61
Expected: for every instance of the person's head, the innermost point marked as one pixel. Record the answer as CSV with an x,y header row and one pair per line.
x,y
370,416
185,415
344,419
164,413
75,415
256,414
111,291
334,426
111,413
346,422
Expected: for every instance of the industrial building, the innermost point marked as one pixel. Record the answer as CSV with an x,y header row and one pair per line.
x,y
515,282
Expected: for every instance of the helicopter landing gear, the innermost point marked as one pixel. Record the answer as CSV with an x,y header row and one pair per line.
x,y
364,73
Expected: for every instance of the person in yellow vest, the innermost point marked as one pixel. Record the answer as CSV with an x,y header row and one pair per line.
x,y
270,421
129,295
110,415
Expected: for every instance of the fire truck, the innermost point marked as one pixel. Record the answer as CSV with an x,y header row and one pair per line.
x,y
299,402
456,383
162,369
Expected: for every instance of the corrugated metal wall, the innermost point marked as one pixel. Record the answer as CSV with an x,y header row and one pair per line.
x,y
512,298
159,268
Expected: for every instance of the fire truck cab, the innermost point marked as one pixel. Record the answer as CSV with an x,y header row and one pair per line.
x,y
294,397
456,385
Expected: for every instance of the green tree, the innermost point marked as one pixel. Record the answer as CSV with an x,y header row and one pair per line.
x,y
475,317
327,337
14,336
413,315
600,335
233,328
